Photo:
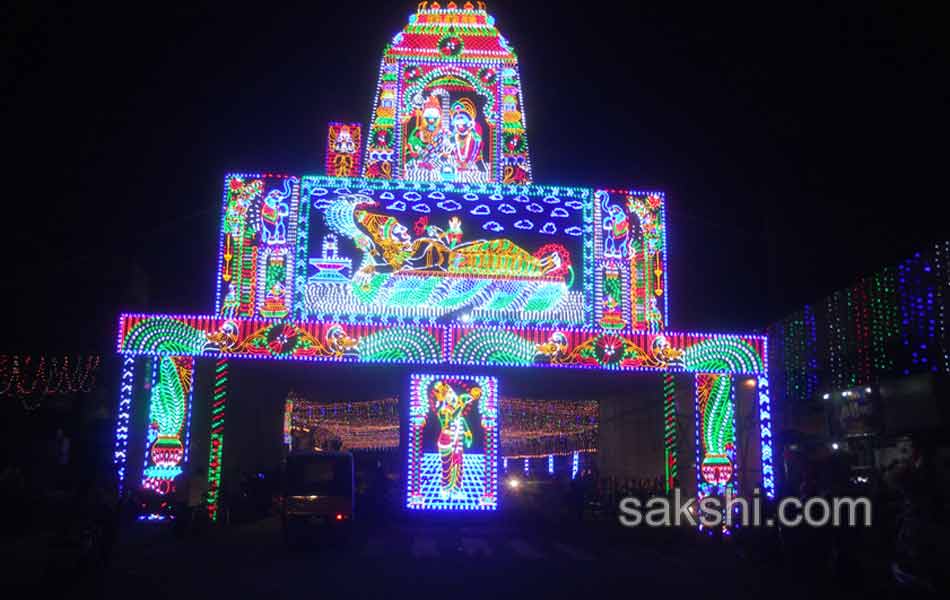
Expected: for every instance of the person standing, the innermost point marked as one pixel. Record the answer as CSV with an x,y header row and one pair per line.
x,y
197,489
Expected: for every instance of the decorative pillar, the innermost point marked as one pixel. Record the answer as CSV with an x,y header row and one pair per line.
x,y
169,419
670,437
120,455
715,435
765,436
219,403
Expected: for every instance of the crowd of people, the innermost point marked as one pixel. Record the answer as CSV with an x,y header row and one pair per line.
x,y
908,518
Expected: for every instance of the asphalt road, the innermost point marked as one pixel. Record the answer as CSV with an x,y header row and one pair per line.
x,y
426,559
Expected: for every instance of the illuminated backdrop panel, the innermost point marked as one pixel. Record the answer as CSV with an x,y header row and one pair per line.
x,y
452,444
311,246
258,237
489,253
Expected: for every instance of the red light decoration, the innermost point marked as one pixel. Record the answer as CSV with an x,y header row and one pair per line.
x,y
26,375
344,145
219,404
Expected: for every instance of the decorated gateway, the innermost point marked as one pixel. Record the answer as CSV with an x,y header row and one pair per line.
x,y
425,242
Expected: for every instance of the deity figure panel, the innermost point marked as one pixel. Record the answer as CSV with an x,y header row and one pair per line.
x,y
274,213
455,434
445,138
343,149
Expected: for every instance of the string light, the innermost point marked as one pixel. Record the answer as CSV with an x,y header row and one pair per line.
x,y
357,425
123,413
670,436
715,434
534,428
545,455
765,436
219,405
886,325
25,375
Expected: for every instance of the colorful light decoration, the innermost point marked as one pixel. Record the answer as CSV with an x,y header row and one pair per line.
x,y
379,342
530,428
24,376
496,258
456,476
123,412
365,425
670,434
425,251
448,104
441,254
715,427
169,418
765,436
632,264
889,324
550,464
344,149
219,405
258,233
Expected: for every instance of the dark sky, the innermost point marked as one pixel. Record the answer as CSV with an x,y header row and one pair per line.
x,y
818,132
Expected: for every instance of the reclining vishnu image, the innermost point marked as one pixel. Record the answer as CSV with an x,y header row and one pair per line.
x,y
392,249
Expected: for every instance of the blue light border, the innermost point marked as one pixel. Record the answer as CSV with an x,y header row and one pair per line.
x,y
419,381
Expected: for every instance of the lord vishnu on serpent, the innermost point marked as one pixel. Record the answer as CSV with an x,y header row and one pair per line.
x,y
390,248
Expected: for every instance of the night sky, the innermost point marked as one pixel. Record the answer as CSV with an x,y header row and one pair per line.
x,y
820,134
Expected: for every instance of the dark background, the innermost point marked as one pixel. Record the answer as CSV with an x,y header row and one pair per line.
x,y
800,147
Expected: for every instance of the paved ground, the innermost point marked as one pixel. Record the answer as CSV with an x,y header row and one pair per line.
x,y
511,554
426,559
